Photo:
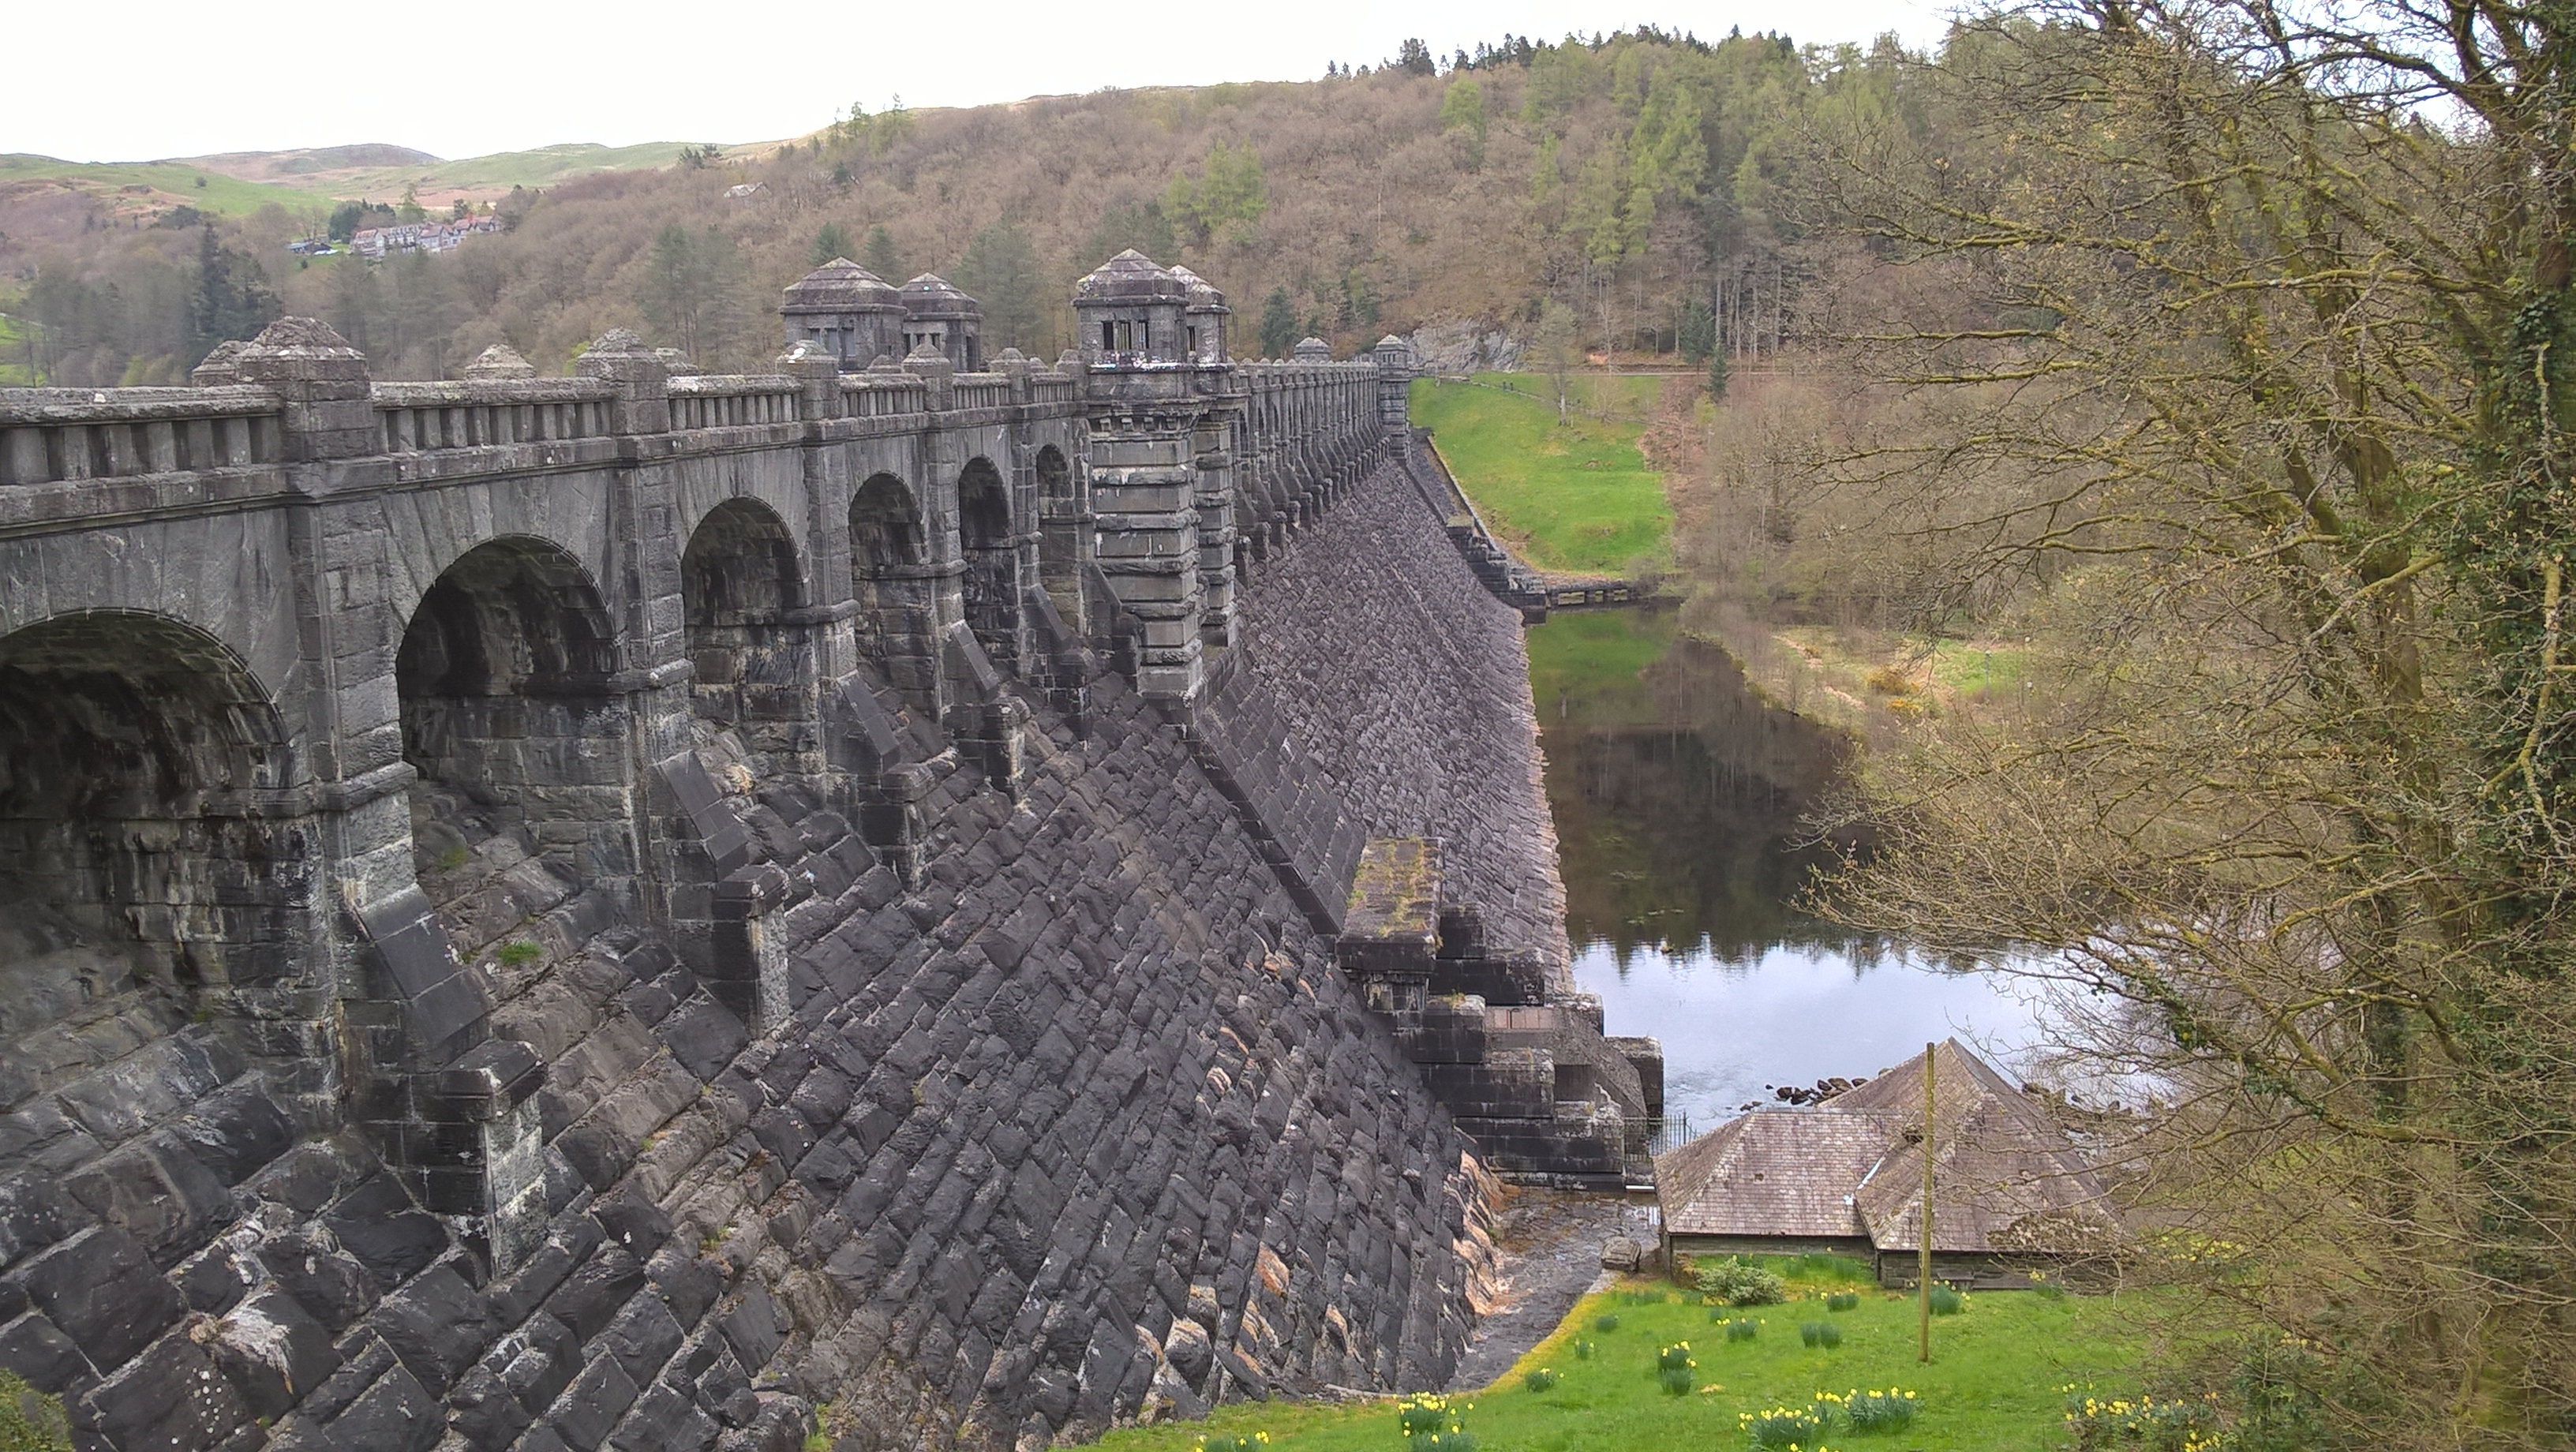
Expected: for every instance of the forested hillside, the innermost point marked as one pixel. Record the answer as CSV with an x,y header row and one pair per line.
x,y
1618,193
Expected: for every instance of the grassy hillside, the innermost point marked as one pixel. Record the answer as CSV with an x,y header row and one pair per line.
x,y
383,173
1996,1383
1572,496
144,189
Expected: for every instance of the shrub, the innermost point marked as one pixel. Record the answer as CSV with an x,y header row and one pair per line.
x,y
1842,1301
1739,1282
1605,1323
1234,1442
1887,680
1742,1329
1456,1439
1538,1379
1879,1411
1948,1301
2141,1422
1821,1333
519,954
1678,1381
1582,1349
1785,1426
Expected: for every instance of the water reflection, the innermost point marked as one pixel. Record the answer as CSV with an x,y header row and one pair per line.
x,y
1678,793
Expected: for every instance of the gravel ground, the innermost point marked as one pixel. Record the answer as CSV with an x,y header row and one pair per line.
x,y
1551,1257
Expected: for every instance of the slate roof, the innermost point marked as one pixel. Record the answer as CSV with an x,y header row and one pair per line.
x,y
1131,276
1787,1172
2006,1177
1204,296
933,296
841,285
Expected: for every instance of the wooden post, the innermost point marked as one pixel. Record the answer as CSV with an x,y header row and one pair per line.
x,y
1923,1256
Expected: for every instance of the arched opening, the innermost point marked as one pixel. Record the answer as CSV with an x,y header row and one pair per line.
x,y
1060,521
738,581
144,883
890,577
509,717
992,585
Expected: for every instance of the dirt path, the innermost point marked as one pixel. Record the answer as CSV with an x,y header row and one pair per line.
x,y
1551,1245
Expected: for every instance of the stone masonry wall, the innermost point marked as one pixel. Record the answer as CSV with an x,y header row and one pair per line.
x,y
1409,716
1084,1129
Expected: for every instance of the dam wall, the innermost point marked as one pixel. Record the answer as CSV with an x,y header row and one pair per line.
x,y
646,910
653,910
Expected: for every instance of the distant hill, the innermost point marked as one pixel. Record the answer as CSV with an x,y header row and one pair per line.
x,y
382,172
309,161
139,191
1622,193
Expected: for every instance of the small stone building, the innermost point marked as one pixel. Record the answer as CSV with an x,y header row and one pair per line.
x,y
2011,1191
850,312
937,316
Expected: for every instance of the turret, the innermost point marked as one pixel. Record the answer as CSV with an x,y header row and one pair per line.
x,y
937,314
850,312
1311,350
1130,312
1203,325
1394,359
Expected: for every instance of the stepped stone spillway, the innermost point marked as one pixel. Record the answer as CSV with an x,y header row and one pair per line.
x,y
622,911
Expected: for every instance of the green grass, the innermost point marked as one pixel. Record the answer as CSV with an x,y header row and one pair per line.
x,y
1575,496
538,167
1993,1385
176,181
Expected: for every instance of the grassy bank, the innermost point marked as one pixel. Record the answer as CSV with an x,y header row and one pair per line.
x,y
1995,1384
1573,497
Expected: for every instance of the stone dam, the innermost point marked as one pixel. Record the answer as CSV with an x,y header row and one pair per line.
x,y
961,900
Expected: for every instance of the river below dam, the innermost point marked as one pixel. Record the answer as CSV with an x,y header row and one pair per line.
x,y
1678,793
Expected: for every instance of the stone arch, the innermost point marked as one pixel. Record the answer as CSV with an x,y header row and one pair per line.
x,y
513,718
891,578
1060,519
987,541
739,582
154,873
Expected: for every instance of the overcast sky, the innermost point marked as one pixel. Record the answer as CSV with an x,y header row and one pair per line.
x,y
145,79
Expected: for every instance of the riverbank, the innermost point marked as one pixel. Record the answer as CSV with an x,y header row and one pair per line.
x,y
1999,1380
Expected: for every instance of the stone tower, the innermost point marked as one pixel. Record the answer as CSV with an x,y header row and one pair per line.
x,y
1163,406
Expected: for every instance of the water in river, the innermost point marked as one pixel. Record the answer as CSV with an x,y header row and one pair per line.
x,y
1678,793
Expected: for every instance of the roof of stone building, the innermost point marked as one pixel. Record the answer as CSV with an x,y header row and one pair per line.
x,y
1204,296
933,296
1312,350
2005,1176
1131,276
841,284
1788,1172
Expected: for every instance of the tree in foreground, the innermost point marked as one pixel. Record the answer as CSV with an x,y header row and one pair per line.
x,y
2238,347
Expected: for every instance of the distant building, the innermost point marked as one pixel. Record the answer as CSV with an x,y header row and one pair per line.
x,y
2011,1194
744,191
375,242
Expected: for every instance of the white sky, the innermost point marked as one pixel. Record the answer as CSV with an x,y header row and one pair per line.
x,y
147,79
